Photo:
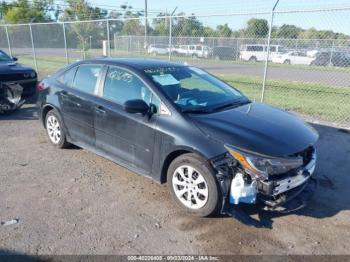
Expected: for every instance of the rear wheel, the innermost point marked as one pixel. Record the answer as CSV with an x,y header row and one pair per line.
x,y
286,62
55,130
253,59
193,186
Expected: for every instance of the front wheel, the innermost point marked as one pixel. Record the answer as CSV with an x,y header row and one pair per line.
x,y
193,186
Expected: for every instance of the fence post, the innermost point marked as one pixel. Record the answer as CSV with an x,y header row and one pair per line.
x,y
8,40
170,35
331,56
65,42
115,43
108,40
268,51
33,47
170,31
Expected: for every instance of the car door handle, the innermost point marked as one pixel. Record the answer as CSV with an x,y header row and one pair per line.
x,y
100,110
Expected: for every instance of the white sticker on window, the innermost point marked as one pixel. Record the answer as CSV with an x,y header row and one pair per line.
x,y
165,79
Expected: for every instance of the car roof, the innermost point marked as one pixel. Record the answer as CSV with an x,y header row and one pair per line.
x,y
137,63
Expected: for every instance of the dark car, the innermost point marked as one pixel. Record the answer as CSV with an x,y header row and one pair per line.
x,y
341,59
224,53
176,123
12,72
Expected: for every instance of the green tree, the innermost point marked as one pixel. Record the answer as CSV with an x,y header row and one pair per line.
x,y
23,11
224,30
288,31
161,25
4,7
133,27
257,28
80,33
187,26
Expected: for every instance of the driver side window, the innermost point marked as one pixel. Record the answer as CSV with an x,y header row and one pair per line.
x,y
122,85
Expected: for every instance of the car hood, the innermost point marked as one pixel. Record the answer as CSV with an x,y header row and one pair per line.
x,y
258,128
13,67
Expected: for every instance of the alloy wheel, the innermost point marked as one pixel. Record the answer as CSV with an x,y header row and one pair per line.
x,y
190,187
53,129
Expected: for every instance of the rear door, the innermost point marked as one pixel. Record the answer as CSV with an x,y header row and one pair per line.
x,y
127,138
77,102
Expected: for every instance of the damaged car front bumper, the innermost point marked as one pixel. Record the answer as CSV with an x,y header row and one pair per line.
x,y
284,192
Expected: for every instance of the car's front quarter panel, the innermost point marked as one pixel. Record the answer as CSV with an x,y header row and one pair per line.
x,y
176,133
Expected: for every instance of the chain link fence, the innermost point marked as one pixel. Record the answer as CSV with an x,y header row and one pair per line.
x,y
265,55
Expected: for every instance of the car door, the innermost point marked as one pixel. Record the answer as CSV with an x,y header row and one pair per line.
x,y
77,102
124,137
300,58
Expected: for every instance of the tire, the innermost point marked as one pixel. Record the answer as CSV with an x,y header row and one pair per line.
x,y
194,56
205,194
286,62
55,130
253,59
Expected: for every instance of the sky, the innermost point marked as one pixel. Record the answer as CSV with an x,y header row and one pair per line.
x,y
336,21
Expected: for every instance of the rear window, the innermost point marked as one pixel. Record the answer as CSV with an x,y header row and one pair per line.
x,y
255,48
86,77
67,77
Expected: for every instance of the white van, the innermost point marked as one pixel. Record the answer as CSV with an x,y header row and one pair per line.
x,y
194,51
256,53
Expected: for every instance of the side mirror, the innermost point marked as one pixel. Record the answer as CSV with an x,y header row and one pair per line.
x,y
136,106
14,58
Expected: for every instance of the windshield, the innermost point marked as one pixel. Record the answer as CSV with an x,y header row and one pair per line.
x,y
4,57
193,90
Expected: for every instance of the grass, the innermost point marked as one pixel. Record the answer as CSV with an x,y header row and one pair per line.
x,y
317,100
321,101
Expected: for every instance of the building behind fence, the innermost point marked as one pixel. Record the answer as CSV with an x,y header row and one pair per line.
x,y
309,75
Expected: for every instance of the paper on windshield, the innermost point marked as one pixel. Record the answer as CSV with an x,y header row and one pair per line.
x,y
165,79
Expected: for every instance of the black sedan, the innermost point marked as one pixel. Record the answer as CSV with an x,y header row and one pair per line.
x,y
178,124
12,72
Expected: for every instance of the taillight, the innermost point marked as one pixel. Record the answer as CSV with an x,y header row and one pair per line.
x,y
40,86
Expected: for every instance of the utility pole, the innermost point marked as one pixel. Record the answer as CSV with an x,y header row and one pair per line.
x,y
146,24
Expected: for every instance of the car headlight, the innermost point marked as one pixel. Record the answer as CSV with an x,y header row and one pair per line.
x,y
32,74
262,166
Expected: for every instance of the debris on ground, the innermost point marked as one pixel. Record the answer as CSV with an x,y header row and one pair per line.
x,y
10,222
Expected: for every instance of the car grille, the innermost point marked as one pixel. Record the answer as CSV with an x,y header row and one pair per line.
x,y
14,77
